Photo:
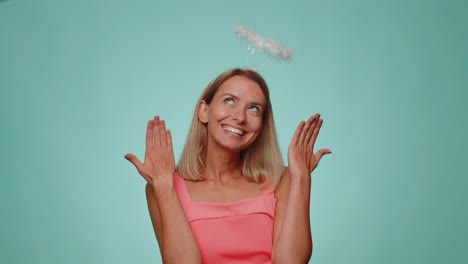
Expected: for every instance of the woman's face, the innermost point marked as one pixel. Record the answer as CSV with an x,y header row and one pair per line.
x,y
234,117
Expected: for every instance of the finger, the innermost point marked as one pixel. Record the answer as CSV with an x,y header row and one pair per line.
x,y
149,138
315,134
320,154
134,160
156,135
307,128
310,134
297,134
169,140
162,133
311,129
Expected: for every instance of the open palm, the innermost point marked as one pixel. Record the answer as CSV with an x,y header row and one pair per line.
x,y
159,163
301,157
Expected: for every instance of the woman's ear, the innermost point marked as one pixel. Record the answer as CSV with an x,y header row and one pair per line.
x,y
203,111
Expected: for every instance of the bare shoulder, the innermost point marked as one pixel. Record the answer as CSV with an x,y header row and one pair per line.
x,y
281,191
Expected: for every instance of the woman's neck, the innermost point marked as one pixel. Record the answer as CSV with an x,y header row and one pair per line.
x,y
222,165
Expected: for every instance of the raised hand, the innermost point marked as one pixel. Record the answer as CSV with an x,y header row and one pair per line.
x,y
159,164
301,157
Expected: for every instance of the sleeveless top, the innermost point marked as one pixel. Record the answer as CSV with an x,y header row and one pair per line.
x,y
238,232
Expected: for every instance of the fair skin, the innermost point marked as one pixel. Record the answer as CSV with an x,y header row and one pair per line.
x,y
167,215
292,235
234,121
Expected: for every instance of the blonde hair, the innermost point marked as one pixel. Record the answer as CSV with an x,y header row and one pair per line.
x,y
262,160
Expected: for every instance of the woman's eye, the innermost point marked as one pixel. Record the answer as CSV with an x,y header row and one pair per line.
x,y
254,109
229,101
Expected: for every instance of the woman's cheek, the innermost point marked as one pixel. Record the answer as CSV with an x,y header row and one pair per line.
x,y
223,113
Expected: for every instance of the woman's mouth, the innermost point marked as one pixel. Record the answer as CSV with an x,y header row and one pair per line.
x,y
233,131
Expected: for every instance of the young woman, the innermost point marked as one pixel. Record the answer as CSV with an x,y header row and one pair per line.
x,y
231,200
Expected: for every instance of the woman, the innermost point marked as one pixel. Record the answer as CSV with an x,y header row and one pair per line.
x,y
231,200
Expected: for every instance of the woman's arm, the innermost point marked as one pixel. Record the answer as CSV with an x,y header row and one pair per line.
x,y
175,238
292,236
155,215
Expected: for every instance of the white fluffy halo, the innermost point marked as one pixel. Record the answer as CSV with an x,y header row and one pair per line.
x,y
270,46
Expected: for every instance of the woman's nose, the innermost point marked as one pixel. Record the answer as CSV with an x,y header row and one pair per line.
x,y
238,115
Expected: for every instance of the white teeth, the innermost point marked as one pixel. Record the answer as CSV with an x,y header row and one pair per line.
x,y
233,130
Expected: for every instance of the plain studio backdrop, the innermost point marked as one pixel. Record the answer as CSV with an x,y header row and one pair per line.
x,y
80,79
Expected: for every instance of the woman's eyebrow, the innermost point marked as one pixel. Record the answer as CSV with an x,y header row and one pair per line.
x,y
237,98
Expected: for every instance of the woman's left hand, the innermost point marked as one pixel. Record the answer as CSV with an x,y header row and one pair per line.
x,y
301,157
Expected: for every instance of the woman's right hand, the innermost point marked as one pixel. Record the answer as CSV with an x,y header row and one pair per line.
x,y
159,165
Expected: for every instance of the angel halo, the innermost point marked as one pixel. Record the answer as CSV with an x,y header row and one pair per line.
x,y
267,45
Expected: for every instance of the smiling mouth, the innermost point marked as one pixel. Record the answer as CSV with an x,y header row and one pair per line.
x,y
234,130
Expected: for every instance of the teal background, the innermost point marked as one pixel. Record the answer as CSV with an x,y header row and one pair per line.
x,y
80,79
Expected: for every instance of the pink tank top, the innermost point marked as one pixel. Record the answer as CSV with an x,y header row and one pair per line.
x,y
238,232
